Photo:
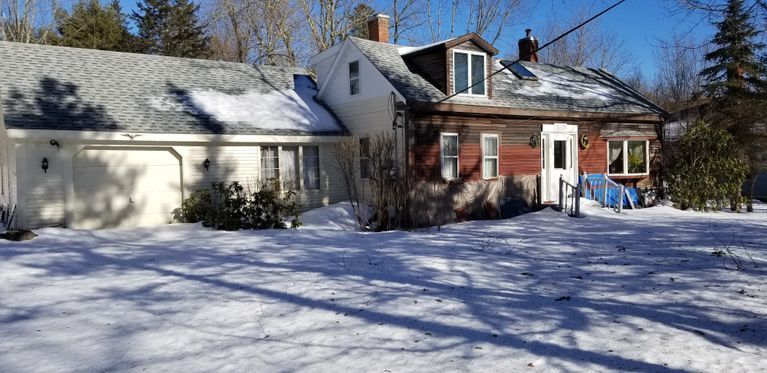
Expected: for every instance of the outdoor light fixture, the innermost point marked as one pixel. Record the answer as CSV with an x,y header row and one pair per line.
x,y
55,143
206,163
45,165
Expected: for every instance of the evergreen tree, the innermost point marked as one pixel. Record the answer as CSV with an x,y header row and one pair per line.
x,y
93,26
171,28
735,82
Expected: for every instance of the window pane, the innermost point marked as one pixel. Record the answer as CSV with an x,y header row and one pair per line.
x,y
477,74
543,153
311,167
269,163
450,145
637,157
354,77
490,168
289,167
560,153
461,72
615,157
490,147
450,168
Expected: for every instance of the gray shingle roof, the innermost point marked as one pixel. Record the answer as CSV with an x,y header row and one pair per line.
x,y
558,88
45,87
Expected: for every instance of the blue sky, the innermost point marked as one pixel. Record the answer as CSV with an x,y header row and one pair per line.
x,y
640,23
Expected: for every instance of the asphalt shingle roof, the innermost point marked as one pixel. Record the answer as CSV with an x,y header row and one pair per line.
x,y
558,88
45,87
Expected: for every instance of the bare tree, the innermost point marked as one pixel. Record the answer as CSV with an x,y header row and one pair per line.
x,y
255,31
489,18
587,46
435,20
678,80
329,21
407,15
26,21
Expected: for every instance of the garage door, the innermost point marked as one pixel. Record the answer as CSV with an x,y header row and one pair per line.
x,y
125,187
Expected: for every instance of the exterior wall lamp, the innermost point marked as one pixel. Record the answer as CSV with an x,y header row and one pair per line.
x,y
206,164
45,165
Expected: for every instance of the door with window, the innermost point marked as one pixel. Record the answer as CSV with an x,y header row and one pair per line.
x,y
559,158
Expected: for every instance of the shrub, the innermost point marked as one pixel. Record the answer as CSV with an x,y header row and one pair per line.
x,y
706,169
233,207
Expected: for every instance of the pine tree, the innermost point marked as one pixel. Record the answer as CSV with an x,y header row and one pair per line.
x,y
92,26
171,28
736,82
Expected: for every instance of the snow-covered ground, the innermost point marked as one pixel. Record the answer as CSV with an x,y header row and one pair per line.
x,y
541,292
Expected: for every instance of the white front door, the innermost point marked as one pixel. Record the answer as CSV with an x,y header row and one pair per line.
x,y
559,158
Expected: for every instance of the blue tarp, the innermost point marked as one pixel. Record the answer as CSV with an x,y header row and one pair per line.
x,y
597,184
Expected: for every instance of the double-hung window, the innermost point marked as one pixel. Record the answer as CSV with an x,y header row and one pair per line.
x,y
449,155
311,167
468,70
354,77
627,157
489,156
270,162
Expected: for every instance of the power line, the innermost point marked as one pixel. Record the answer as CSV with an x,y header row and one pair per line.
x,y
506,66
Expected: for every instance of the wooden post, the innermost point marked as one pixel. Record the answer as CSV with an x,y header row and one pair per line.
x,y
604,193
561,189
577,201
620,199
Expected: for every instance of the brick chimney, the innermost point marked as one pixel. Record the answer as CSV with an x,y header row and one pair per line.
x,y
527,47
378,28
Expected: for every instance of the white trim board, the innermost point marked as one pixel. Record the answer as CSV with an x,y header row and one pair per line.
x,y
152,138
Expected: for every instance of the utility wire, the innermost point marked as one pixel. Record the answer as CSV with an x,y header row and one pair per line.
x,y
506,66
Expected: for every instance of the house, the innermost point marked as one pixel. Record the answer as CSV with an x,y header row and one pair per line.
x,y
96,139
471,135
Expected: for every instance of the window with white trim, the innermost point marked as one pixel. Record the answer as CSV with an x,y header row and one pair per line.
x,y
311,167
489,156
449,155
354,77
289,167
270,162
468,69
627,157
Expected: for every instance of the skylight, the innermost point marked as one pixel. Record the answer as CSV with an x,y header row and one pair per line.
x,y
519,71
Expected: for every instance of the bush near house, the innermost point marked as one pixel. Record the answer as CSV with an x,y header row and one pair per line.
x,y
706,170
233,207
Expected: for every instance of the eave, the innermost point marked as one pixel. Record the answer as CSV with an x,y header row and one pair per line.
x,y
493,111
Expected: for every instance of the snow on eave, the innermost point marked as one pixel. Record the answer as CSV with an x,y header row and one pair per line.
x,y
405,50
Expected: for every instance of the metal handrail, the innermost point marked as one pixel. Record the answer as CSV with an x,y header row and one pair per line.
x,y
569,197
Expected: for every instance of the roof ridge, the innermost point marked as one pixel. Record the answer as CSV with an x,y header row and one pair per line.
x,y
137,55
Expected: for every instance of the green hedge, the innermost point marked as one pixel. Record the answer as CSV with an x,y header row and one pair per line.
x,y
231,207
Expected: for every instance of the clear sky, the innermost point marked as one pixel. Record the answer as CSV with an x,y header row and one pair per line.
x,y
640,23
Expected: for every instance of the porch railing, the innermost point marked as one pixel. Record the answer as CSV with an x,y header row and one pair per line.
x,y
569,197
600,188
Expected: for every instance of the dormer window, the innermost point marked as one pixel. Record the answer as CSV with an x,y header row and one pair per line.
x,y
354,77
469,69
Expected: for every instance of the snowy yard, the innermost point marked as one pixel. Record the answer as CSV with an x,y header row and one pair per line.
x,y
541,292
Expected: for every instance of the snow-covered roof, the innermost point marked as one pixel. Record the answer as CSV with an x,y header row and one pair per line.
x,y
557,88
45,87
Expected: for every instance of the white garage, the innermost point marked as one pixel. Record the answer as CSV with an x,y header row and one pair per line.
x,y
125,187
96,139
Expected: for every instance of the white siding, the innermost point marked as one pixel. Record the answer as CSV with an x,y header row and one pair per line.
x,y
47,199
